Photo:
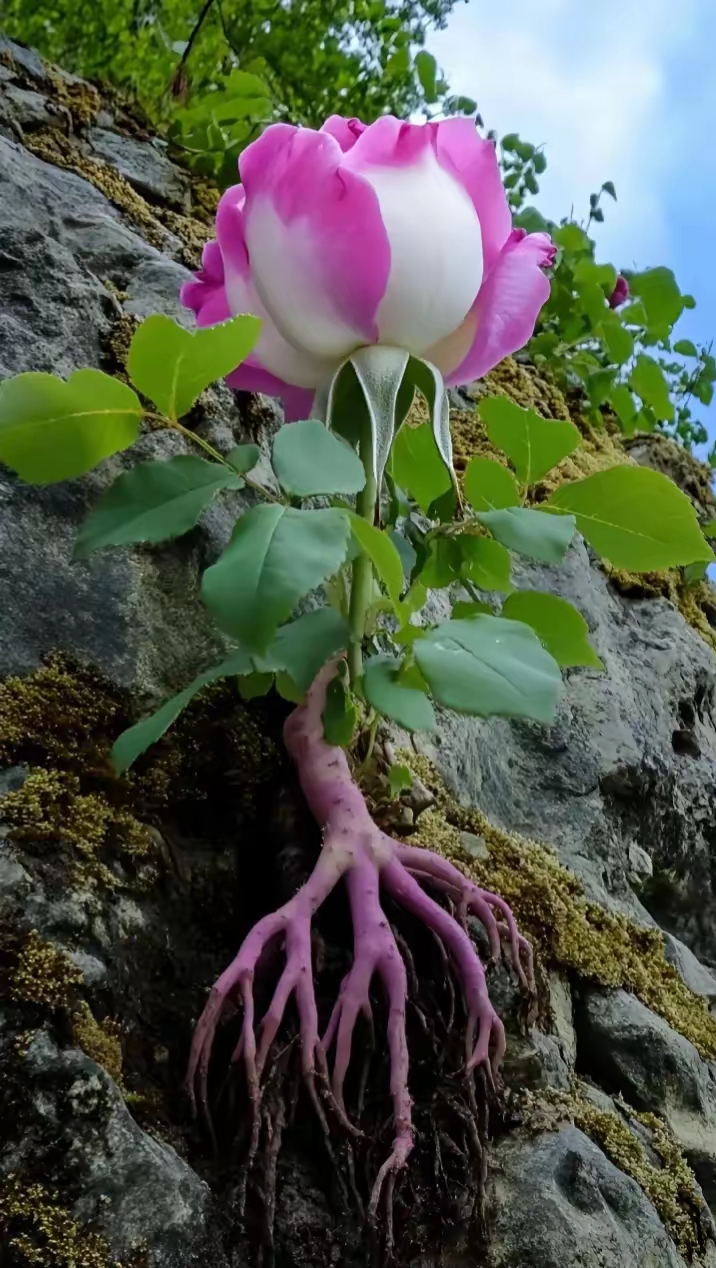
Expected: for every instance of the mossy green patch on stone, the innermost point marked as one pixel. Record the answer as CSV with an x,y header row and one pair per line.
x,y
567,929
39,1232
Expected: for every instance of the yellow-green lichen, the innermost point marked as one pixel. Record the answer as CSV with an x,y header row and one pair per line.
x,y
671,1187
49,809
568,930
42,974
61,714
79,97
100,1040
38,1232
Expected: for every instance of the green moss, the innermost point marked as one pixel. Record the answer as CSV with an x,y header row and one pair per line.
x,y
41,973
40,1233
567,929
671,1188
100,1040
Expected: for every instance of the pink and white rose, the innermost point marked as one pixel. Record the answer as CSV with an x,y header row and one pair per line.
x,y
395,233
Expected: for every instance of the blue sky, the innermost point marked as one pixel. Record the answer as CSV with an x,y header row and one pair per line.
x,y
621,90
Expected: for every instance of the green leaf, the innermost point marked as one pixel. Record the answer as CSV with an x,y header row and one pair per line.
x,y
339,715
572,238
462,611
558,625
142,735
532,220
658,290
533,444
399,780
308,459
685,348
406,551
379,548
154,501
709,529
618,340
647,379
635,517
172,366
622,402
427,379
251,686
417,465
608,188
276,555
489,486
243,458
443,563
694,573
301,648
287,688
426,66
51,430
408,707
488,666
536,534
485,563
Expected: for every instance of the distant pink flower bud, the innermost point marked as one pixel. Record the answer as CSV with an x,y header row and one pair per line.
x,y
620,294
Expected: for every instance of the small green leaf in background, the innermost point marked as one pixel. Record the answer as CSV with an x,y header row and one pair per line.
x,y
301,648
243,458
635,517
619,342
136,739
647,378
417,466
407,706
489,486
693,573
287,688
172,366
154,501
572,238
426,66
308,459
399,780
382,552
488,666
659,293
533,444
536,534
276,555
51,430
443,563
339,715
558,625
251,686
406,551
685,348
485,563
709,529
462,611
608,188
622,402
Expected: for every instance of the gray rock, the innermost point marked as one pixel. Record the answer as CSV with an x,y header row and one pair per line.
x,y
134,1188
559,1201
144,165
697,977
629,1049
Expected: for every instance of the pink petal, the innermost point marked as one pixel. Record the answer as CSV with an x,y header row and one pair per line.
x,y
508,304
345,131
473,161
318,248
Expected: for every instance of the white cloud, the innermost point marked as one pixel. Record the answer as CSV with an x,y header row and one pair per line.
x,y
590,82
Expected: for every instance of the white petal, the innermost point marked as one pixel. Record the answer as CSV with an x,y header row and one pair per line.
x,y
436,252
276,354
283,268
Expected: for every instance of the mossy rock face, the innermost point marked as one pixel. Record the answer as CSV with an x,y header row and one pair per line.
x,y
122,900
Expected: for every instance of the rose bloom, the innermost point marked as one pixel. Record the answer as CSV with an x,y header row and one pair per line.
x,y
395,233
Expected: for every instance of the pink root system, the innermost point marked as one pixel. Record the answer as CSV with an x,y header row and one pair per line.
x,y
356,850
